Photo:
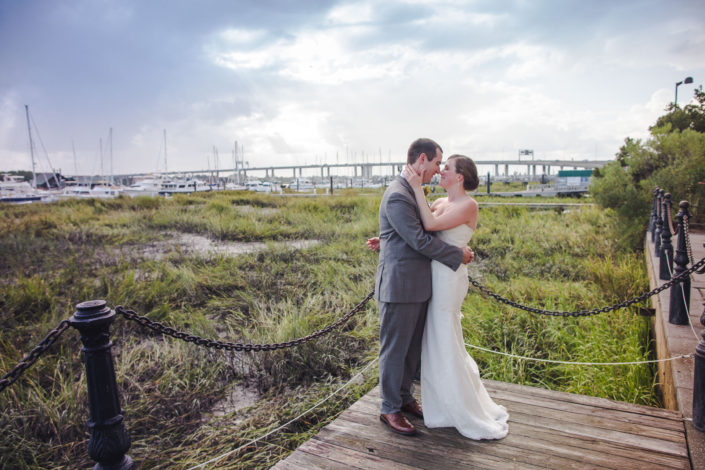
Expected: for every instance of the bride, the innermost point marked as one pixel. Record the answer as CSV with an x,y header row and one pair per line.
x,y
452,393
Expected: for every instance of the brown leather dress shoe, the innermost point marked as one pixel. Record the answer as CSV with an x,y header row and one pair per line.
x,y
414,408
398,423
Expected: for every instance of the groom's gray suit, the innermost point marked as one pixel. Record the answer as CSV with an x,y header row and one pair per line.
x,y
402,290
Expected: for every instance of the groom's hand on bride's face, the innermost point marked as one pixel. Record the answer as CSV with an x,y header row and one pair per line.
x,y
468,255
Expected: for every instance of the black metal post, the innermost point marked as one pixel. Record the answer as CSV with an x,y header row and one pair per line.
x,y
699,381
680,292
109,441
652,219
659,223
488,182
666,253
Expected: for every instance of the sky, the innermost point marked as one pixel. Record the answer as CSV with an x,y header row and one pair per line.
x,y
308,82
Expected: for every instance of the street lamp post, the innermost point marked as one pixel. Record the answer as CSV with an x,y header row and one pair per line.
x,y
686,81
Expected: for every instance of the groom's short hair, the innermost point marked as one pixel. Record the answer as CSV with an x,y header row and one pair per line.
x,y
420,146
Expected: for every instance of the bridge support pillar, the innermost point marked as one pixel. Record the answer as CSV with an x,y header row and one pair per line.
x,y
496,169
109,440
506,170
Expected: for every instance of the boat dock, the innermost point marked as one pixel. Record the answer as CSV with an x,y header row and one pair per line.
x,y
547,429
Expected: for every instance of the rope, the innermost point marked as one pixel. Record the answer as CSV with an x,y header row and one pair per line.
x,y
215,459
552,361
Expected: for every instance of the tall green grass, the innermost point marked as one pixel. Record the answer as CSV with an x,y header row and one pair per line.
x,y
52,257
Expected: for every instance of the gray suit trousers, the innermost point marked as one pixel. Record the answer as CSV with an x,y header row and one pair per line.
x,y
400,334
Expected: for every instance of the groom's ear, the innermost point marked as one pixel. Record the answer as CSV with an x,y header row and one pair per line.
x,y
422,158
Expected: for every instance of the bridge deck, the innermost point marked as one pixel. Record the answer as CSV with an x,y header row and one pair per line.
x,y
546,430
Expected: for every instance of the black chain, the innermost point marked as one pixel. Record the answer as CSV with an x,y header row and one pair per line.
x,y
12,376
209,343
689,247
582,313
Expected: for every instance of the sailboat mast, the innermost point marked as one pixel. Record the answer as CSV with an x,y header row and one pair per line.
x,y
75,165
111,156
100,145
165,167
31,147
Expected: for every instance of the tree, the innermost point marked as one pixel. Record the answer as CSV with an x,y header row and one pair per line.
x,y
692,116
673,158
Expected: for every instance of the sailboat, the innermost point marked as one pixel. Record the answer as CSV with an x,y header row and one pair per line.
x,y
14,189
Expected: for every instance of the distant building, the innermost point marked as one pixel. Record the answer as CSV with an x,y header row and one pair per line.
x,y
573,178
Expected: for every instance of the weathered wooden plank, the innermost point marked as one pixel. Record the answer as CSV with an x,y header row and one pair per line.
x,y
423,452
581,399
547,430
351,457
596,421
288,464
568,429
592,427
636,458
579,408
313,462
623,438
530,446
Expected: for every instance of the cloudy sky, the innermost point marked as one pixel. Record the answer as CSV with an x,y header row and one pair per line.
x,y
300,82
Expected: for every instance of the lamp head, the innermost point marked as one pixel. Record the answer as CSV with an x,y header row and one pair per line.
x,y
688,80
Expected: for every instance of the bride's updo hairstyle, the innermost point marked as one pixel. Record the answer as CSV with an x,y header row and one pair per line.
x,y
466,167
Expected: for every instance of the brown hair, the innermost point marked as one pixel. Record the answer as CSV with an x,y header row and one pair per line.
x,y
420,146
466,167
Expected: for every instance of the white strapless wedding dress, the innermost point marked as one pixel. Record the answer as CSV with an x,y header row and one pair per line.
x,y
452,393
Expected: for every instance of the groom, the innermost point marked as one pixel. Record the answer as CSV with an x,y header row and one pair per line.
x,y
403,286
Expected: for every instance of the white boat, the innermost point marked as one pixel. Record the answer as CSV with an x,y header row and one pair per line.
x,y
182,186
15,189
232,186
146,187
88,191
301,184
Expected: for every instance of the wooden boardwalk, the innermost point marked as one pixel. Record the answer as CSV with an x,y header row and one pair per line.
x,y
546,430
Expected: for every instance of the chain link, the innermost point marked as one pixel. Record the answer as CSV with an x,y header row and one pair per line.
x,y
582,313
228,346
12,376
689,247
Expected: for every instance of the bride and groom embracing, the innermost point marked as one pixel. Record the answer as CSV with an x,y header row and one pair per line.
x,y
420,286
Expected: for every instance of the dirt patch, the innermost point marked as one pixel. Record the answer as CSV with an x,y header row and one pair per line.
x,y
247,209
204,246
237,398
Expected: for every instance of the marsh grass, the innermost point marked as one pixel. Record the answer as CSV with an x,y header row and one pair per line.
x,y
53,257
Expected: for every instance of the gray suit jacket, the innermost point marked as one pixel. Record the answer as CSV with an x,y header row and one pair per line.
x,y
404,268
